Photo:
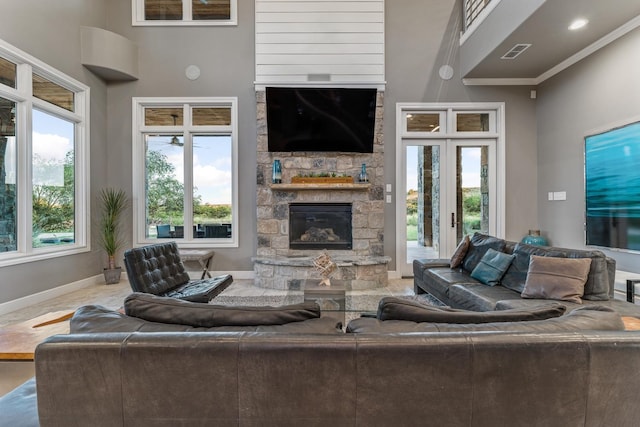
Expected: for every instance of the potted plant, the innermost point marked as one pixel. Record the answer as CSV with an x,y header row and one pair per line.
x,y
113,204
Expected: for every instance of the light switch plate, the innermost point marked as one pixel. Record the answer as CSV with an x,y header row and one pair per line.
x,y
388,198
388,188
559,195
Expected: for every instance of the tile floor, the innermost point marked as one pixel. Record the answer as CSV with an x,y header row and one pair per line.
x,y
240,292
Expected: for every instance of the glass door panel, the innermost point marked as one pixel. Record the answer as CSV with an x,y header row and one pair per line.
x,y
422,202
448,194
472,190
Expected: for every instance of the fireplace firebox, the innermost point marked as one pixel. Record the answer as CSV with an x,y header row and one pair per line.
x,y
320,226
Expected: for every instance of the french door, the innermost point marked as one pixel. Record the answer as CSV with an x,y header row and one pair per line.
x,y
447,187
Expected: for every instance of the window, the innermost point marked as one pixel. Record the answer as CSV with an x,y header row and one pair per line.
x,y
184,12
44,160
185,171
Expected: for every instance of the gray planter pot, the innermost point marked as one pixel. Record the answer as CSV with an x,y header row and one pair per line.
x,y
112,275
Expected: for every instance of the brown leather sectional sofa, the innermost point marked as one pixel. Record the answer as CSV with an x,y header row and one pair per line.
x,y
119,370
456,288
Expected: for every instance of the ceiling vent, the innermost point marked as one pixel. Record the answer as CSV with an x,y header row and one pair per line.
x,y
515,51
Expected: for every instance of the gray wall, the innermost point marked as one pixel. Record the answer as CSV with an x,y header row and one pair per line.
x,y
50,31
225,56
421,35
594,94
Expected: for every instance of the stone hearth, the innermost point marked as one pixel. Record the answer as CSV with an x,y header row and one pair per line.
x,y
357,273
276,265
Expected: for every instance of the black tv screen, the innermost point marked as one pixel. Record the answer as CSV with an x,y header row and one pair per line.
x,y
321,119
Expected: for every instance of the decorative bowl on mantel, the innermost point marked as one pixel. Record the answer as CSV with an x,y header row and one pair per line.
x,y
322,180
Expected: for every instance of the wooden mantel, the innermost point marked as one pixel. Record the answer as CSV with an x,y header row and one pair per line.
x,y
321,186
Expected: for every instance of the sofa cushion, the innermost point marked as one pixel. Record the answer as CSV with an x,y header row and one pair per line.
x,y
492,267
460,252
171,310
621,307
478,297
392,308
19,407
439,280
516,274
556,278
479,245
99,319
597,285
584,318
155,268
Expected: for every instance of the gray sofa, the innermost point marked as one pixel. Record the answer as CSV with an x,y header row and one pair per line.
x,y
116,369
456,288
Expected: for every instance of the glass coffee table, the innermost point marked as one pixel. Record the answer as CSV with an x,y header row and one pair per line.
x,y
334,301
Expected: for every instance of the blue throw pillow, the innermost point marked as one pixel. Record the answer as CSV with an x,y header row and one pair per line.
x,y
492,267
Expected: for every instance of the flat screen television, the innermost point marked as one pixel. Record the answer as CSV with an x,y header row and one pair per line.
x,y
321,119
612,187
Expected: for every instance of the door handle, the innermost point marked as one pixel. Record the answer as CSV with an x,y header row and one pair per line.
x,y
453,220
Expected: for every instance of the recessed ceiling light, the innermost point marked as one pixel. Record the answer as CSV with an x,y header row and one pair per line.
x,y
577,24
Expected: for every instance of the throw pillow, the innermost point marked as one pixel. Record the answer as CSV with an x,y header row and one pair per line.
x,y
492,267
516,275
479,245
460,252
171,310
392,308
556,278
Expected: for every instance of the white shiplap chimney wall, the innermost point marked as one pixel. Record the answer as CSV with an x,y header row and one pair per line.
x,y
320,42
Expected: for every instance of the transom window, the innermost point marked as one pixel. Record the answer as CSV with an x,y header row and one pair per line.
x,y
184,12
185,171
44,160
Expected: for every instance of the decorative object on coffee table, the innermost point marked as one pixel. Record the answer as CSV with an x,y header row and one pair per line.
x,y
534,238
326,267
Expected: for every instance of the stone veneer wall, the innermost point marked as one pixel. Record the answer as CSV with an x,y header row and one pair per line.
x,y
273,204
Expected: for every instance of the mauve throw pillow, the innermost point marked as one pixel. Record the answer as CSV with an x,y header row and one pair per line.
x,y
460,252
556,278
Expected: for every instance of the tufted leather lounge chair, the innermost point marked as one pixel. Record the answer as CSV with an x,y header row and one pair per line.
x,y
157,269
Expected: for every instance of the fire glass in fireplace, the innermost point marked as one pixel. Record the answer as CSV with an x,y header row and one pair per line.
x,y
320,226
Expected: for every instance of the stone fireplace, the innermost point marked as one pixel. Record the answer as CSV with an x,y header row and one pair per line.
x,y
283,259
320,226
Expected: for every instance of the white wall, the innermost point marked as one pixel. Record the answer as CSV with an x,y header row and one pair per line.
x,y
596,92
324,41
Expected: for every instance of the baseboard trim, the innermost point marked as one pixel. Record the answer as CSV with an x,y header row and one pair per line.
x,y
393,274
26,301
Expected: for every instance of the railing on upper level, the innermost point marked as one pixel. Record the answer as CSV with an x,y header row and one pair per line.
x,y
472,9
